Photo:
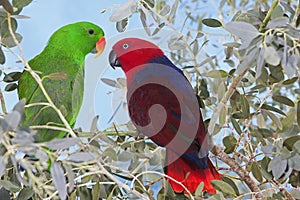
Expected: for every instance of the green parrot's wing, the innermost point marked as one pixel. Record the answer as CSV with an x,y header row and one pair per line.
x,y
66,93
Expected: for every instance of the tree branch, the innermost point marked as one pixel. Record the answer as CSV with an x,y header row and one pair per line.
x,y
236,167
283,190
269,14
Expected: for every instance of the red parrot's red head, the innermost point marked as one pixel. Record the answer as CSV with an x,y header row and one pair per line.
x,y
129,53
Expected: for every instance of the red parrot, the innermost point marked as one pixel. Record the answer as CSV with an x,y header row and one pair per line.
x,y
163,106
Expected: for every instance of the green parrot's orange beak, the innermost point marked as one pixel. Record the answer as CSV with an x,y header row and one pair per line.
x,y
100,45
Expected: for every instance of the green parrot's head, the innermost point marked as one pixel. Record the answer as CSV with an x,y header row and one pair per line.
x,y
81,37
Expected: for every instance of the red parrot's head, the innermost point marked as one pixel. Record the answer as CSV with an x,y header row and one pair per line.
x,y
129,53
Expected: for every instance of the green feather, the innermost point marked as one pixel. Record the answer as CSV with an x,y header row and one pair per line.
x,y
62,59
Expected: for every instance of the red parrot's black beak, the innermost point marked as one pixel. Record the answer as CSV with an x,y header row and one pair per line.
x,y
113,60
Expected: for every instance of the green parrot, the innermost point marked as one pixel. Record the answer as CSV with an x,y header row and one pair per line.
x,y
61,67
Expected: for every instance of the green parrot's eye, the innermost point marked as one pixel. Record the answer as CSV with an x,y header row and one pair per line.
x,y
91,31
125,46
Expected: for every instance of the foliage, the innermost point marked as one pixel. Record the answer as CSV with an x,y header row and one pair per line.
x,y
249,95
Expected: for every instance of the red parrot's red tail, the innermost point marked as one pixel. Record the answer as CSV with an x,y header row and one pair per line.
x,y
187,170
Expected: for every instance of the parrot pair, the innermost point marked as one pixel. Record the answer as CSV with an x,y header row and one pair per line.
x,y
161,101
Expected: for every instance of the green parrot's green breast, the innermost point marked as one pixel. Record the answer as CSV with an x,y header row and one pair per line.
x,y
65,89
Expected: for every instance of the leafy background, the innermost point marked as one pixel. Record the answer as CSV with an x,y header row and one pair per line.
x,y
242,59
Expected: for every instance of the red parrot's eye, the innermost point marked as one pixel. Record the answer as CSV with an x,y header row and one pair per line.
x,y
125,46
91,31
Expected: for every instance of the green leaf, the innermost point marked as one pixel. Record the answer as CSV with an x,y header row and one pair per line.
x,y
256,172
222,117
7,6
59,180
236,125
140,146
63,143
150,3
224,187
283,100
195,47
230,62
4,194
265,132
232,44
264,168
110,196
277,166
165,10
173,10
10,186
260,62
212,22
123,11
199,189
9,42
84,193
285,153
275,119
159,27
176,43
111,153
245,106
277,12
247,61
11,121
122,25
21,3
82,157
230,143
296,146
271,56
143,19
216,74
298,113
12,77
243,30
231,183
271,108
57,76
2,57
289,142
295,193
290,81
239,115
5,28
96,191
25,193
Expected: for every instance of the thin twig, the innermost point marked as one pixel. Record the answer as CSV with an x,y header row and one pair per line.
x,y
3,106
49,127
120,183
294,23
163,175
282,189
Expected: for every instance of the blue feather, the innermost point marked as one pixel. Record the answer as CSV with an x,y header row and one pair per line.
x,y
165,61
